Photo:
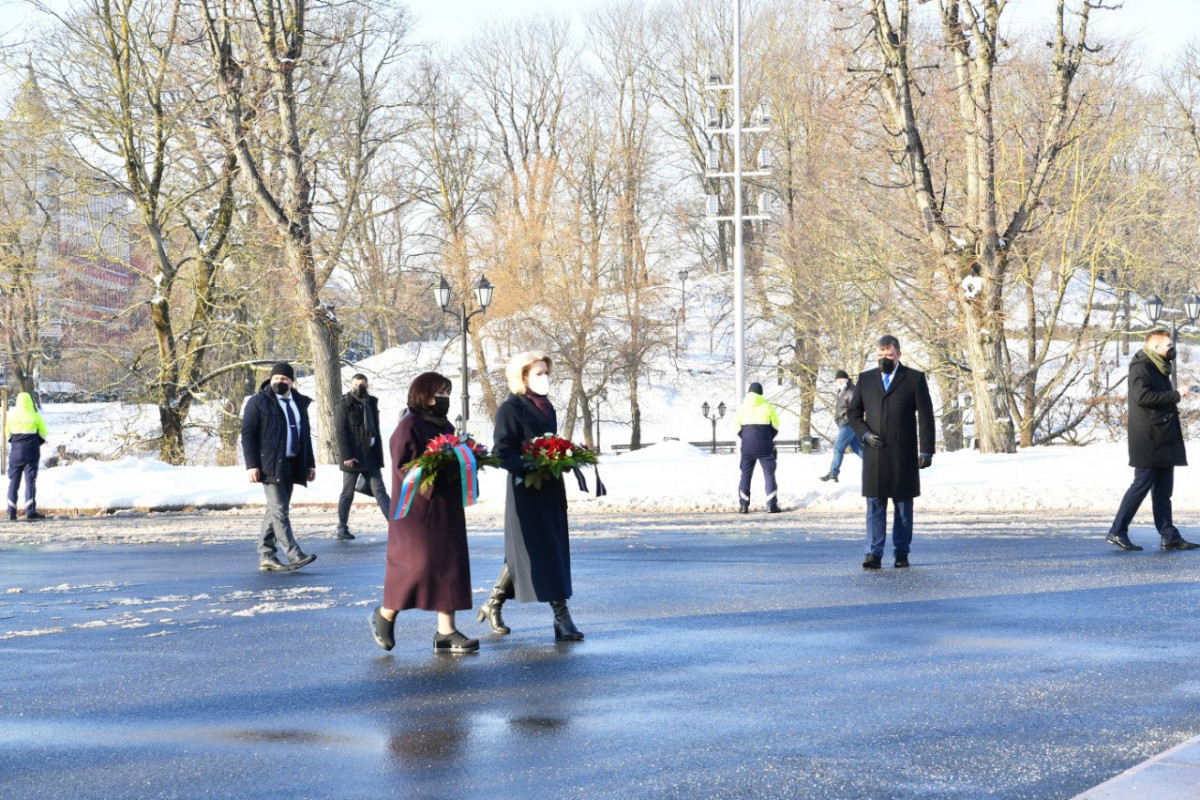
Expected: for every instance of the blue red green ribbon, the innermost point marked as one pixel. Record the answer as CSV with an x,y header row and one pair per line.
x,y
468,471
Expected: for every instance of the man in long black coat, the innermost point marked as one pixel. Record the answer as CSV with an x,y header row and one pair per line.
x,y
891,412
1155,442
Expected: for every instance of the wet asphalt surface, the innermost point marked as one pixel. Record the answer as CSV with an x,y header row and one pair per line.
x,y
725,656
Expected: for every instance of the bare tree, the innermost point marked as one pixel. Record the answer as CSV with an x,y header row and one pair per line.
x,y
271,74
969,220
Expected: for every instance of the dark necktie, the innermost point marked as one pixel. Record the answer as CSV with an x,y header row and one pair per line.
x,y
293,427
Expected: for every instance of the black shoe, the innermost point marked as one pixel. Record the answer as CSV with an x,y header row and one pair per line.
x,y
300,560
383,629
453,643
1177,542
743,508
33,516
12,517
564,626
774,510
344,536
1121,540
901,560
829,476
872,561
271,564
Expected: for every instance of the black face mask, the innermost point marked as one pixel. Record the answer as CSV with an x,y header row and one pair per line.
x,y
441,406
360,392
281,388
887,365
1170,354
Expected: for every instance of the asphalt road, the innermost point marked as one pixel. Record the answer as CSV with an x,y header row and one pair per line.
x,y
725,656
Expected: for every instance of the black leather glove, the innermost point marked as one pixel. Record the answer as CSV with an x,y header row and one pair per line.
x,y
924,461
872,440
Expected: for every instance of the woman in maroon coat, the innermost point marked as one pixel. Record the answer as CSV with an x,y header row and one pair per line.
x,y
427,562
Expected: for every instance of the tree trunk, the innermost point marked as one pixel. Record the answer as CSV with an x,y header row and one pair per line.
x,y
985,351
635,414
952,415
323,329
490,404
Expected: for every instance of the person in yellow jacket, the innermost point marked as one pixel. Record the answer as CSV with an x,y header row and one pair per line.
x,y
757,425
25,431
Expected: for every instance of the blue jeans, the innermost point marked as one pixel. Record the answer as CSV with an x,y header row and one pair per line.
x,y
846,437
902,525
1158,483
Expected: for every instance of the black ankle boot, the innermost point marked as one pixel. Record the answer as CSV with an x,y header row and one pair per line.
x,y
383,629
490,610
564,626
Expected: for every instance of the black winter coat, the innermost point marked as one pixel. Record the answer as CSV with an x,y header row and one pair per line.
x,y
536,544
1155,435
264,437
357,423
904,419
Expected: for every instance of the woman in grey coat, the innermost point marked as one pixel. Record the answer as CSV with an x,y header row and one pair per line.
x,y
537,550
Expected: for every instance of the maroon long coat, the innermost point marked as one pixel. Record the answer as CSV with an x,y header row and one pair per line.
x,y
427,561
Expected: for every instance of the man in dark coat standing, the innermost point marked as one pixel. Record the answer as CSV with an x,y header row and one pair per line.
x,y
892,414
277,447
1155,443
361,449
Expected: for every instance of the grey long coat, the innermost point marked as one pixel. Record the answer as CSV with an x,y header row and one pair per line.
x,y
536,544
903,417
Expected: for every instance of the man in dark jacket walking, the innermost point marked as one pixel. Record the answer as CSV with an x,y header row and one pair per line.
x,y
1155,443
277,447
361,449
892,413
845,435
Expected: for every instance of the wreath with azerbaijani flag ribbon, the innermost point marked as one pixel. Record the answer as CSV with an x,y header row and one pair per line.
x,y
445,452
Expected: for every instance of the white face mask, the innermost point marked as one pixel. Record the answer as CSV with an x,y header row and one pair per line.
x,y
539,384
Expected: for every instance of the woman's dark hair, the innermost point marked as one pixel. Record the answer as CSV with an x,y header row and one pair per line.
x,y
424,387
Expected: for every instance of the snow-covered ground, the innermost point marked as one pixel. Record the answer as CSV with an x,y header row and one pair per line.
x,y
666,477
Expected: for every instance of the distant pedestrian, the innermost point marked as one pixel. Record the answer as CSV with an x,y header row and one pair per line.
x,y
360,446
537,546
845,434
277,447
757,426
428,566
1155,442
25,430
892,413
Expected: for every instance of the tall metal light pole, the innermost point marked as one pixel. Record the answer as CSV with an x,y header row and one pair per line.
x,y
483,294
1191,308
738,218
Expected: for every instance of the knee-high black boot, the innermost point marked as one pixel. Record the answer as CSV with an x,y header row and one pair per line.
x,y
564,626
490,610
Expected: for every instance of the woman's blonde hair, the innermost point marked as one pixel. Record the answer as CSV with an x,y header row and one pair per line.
x,y
518,367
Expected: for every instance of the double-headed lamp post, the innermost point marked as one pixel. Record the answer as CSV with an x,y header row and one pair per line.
x,y
704,409
1191,309
483,293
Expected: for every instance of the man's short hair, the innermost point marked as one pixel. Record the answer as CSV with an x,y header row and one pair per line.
x,y
888,341
1157,333
358,376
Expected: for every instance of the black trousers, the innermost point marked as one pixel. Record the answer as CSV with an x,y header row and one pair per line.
x,y
1159,483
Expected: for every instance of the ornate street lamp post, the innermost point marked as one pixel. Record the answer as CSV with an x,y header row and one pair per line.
x,y
483,294
704,409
